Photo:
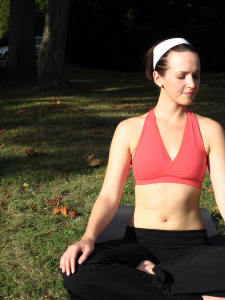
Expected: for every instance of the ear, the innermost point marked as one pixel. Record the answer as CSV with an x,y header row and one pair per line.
x,y
158,79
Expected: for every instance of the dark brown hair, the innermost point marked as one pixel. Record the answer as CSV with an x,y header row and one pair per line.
x,y
163,64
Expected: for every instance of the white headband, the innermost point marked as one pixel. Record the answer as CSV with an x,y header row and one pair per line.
x,y
164,47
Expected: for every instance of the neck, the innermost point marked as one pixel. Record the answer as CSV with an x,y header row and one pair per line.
x,y
166,108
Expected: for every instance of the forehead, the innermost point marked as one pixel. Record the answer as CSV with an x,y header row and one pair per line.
x,y
184,61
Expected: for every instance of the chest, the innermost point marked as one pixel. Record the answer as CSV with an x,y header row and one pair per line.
x,y
170,136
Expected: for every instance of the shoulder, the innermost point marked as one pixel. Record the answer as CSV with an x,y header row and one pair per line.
x,y
212,131
209,125
129,127
128,132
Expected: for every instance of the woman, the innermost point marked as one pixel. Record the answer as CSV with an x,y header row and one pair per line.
x,y
165,252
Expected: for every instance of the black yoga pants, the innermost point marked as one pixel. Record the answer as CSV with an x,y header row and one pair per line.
x,y
186,267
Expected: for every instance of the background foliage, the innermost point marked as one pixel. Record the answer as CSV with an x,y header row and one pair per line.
x,y
4,19
116,34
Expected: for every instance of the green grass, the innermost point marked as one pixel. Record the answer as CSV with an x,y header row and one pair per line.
x,y
32,239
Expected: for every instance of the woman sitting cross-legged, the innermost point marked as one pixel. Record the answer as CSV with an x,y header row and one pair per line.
x,y
165,253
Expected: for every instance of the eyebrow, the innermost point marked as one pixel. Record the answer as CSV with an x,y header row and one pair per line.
x,y
187,72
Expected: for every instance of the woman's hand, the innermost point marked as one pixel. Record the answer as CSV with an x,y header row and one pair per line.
x,y
146,266
68,259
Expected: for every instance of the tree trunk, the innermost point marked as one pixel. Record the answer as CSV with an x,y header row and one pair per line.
x,y
52,52
21,61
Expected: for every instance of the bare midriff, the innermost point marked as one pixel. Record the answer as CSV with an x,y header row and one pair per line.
x,y
167,206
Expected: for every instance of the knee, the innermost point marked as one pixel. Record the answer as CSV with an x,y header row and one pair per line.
x,y
75,283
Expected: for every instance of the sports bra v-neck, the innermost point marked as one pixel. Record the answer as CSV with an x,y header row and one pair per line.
x,y
152,164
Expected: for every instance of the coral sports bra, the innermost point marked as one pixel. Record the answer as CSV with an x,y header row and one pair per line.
x,y
152,164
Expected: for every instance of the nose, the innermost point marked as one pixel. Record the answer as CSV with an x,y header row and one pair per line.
x,y
191,82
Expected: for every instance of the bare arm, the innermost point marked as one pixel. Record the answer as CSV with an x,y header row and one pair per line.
x,y
216,140
108,200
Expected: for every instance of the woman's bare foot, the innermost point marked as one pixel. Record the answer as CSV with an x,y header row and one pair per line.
x,y
147,267
212,298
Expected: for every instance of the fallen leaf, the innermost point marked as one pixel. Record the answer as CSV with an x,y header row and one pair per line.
x,y
26,185
48,297
1,208
7,196
3,190
101,175
52,203
2,145
88,157
33,153
23,150
64,210
61,209
215,208
210,190
95,162
71,214
96,132
57,201
65,170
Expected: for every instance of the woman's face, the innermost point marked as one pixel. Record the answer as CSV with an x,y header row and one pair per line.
x,y
182,79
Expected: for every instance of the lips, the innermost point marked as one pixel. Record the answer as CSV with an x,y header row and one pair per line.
x,y
189,94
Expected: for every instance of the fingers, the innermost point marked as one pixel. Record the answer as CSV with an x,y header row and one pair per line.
x,y
68,259
67,262
87,251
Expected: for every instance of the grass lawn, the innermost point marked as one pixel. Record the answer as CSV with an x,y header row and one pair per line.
x,y
45,137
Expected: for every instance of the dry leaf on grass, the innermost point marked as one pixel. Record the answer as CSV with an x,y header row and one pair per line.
x,y
210,190
96,132
101,175
65,170
1,208
33,153
3,190
7,196
71,214
23,150
48,297
215,208
57,201
63,210
2,145
93,162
